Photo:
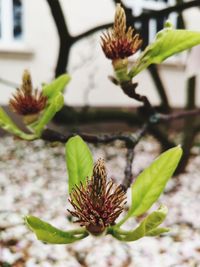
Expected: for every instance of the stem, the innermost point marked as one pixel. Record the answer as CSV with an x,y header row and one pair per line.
x,y
128,169
79,231
126,217
129,89
53,136
178,115
189,129
128,179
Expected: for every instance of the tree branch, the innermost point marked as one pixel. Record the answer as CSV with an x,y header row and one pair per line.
x,y
54,136
72,116
128,178
177,116
131,140
66,40
129,89
159,86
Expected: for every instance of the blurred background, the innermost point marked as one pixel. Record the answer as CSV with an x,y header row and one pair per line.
x,y
51,37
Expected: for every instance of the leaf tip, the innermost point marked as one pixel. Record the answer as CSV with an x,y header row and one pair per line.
x,y
177,150
180,149
27,220
163,209
168,24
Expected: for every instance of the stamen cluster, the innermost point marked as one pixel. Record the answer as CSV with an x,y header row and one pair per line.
x,y
27,101
98,203
120,42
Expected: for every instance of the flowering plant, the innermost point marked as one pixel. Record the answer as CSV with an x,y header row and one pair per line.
x,y
37,108
120,43
97,203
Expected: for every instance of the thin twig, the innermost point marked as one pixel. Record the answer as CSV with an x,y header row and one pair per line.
x,y
54,136
178,115
129,89
128,178
131,140
160,87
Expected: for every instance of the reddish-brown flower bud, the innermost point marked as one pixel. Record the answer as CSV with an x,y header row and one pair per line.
x,y
120,42
27,101
98,203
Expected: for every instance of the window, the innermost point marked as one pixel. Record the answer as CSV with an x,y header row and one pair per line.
x,y
11,22
17,19
140,6
154,25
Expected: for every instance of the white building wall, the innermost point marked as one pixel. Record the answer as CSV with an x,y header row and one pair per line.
x,y
88,66
38,53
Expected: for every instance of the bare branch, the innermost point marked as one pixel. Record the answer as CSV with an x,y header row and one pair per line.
x,y
128,178
129,89
178,115
66,40
53,136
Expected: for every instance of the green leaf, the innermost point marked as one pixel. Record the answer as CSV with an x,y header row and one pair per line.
x,y
148,227
154,219
8,125
56,86
55,105
158,231
151,182
167,43
49,234
79,161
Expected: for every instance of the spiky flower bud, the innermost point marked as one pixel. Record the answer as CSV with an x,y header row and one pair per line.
x,y
27,101
98,203
120,42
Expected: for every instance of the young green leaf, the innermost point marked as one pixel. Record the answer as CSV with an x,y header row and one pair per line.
x,y
158,231
148,227
167,43
49,234
154,219
8,125
55,105
79,161
56,86
151,182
